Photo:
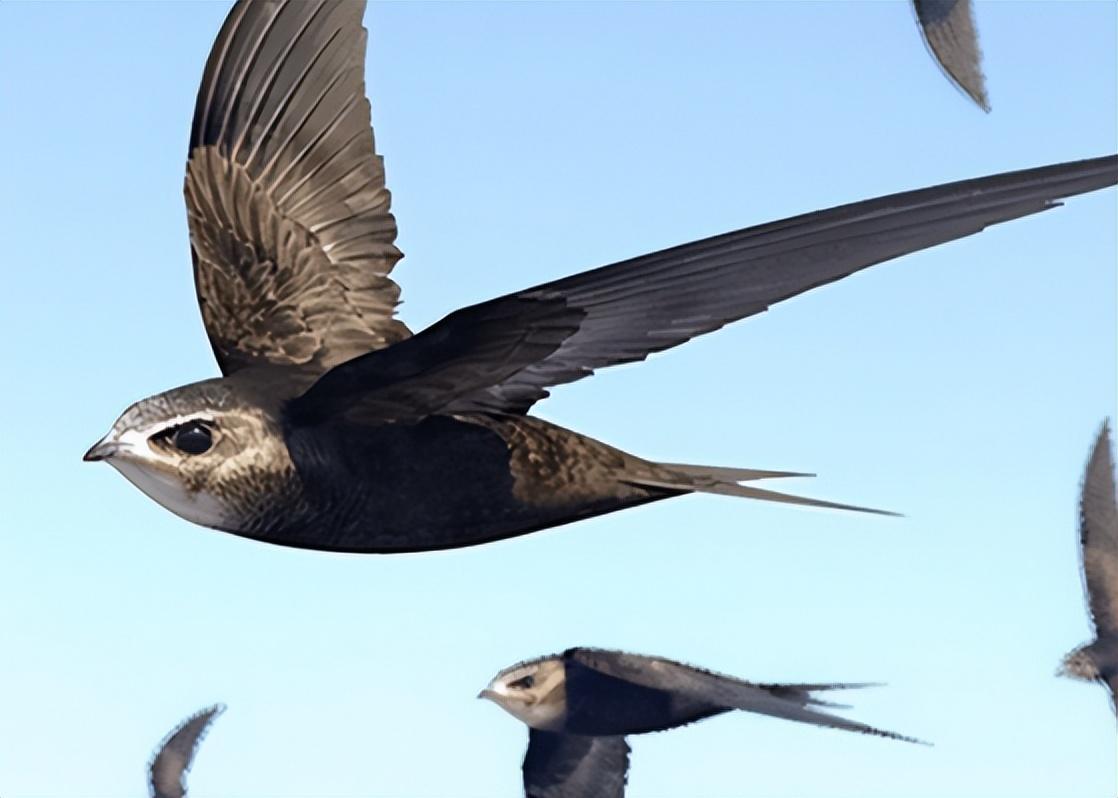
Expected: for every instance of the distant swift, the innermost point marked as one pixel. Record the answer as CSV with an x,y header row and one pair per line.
x,y
949,31
580,705
168,768
336,428
1098,535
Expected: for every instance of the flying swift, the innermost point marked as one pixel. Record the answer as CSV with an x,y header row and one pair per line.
x,y
951,36
1098,536
333,427
168,768
580,705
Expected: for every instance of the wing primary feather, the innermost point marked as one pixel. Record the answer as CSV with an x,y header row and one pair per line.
x,y
297,127
249,63
318,137
650,303
204,103
269,84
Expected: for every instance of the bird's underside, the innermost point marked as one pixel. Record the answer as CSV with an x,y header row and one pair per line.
x,y
451,481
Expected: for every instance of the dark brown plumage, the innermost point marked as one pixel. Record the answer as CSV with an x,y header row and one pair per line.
x,y
289,219
334,428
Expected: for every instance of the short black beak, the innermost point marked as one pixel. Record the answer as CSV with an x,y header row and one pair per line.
x,y
102,450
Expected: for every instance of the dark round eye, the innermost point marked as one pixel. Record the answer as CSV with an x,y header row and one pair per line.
x,y
523,683
193,438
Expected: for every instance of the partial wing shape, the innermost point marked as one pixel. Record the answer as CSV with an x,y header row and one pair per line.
x,y
648,304
791,701
168,768
1098,530
467,351
949,31
570,766
289,216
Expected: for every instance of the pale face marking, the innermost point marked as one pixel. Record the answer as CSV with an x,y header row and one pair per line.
x,y
542,705
156,472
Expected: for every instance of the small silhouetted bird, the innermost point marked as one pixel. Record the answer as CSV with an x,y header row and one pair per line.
x,y
336,428
1098,536
949,31
580,705
168,768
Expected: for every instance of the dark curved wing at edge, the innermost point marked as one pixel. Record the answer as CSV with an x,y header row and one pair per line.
x,y
791,702
1098,534
951,36
168,768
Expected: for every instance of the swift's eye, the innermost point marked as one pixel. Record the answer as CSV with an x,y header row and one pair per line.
x,y
524,683
193,438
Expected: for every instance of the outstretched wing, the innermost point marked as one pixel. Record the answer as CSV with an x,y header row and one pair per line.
x,y
624,312
570,766
168,768
949,32
1098,532
791,701
289,216
648,304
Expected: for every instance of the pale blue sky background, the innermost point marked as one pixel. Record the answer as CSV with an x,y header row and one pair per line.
x,y
961,386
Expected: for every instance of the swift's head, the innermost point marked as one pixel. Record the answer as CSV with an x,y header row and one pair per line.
x,y
532,692
191,449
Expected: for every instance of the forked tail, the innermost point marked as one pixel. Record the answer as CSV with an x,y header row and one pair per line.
x,y
727,482
796,702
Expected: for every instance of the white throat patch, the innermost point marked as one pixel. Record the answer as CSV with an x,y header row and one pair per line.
x,y
199,507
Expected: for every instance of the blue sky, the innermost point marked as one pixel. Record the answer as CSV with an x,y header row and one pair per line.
x,y
961,386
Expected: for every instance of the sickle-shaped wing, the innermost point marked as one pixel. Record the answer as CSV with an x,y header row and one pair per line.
x,y
949,32
289,221
648,304
1098,532
570,766
624,312
168,768
788,701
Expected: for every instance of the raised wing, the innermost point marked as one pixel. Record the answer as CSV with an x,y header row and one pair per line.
x,y
1098,531
289,216
624,312
948,30
788,701
569,766
168,768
